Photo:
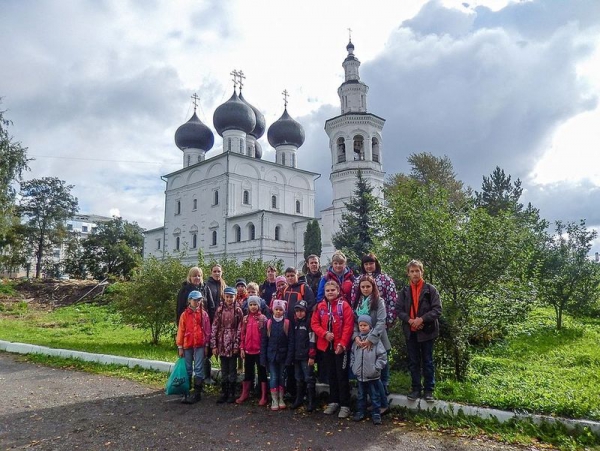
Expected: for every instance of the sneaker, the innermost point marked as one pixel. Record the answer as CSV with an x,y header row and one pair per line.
x,y
376,419
429,396
331,408
414,395
344,412
358,416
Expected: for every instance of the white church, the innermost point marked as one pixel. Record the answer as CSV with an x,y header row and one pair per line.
x,y
238,205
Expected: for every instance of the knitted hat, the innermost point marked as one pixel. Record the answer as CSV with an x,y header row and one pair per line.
x,y
195,295
279,303
230,290
240,282
365,319
301,305
280,279
254,300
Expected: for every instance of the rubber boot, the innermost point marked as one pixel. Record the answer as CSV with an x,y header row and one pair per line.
x,y
198,387
264,392
300,390
311,395
274,399
231,397
224,393
246,385
281,400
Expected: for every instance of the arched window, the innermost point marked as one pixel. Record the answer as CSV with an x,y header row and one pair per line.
x,y
229,144
359,148
177,242
237,233
283,159
194,240
189,160
273,201
293,160
375,147
246,197
341,150
297,206
277,233
195,204
216,198
214,238
178,208
251,231
242,146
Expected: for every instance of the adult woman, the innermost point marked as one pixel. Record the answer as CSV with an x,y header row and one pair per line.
x,y
216,284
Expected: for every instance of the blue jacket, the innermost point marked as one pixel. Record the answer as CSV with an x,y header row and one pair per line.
x,y
275,345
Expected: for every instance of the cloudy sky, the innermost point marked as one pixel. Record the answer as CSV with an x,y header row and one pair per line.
x,y
96,89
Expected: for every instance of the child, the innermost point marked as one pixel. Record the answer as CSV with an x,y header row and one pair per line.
x,y
333,323
252,326
281,286
366,362
241,295
193,335
276,351
225,343
304,358
253,291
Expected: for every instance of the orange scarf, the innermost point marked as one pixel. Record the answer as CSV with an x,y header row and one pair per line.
x,y
416,293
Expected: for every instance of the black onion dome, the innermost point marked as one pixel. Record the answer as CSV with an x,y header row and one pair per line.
x,y
350,47
234,115
261,124
285,130
194,135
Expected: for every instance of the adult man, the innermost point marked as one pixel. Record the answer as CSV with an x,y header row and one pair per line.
x,y
312,271
419,308
269,286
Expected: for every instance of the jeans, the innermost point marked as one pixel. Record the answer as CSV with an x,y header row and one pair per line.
x,y
276,369
373,389
420,358
304,372
194,363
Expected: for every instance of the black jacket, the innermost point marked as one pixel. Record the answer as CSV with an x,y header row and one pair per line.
x,y
304,340
430,309
267,290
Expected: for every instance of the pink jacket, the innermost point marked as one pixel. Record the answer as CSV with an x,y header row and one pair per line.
x,y
251,333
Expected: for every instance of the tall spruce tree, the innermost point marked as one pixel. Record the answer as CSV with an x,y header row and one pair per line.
x,y
360,224
312,239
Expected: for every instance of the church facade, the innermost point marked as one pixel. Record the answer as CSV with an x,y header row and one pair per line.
x,y
236,204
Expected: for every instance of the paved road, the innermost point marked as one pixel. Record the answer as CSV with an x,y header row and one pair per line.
x,y
44,408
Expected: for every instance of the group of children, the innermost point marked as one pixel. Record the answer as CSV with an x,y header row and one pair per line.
x,y
285,337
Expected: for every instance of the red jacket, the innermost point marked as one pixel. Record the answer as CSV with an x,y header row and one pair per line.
x,y
194,329
342,324
251,332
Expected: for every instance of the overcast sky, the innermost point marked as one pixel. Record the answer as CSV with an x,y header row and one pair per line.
x,y
96,89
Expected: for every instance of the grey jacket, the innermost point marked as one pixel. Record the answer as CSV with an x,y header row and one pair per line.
x,y
379,331
367,364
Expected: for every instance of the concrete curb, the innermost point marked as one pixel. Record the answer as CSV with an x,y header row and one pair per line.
x,y
395,400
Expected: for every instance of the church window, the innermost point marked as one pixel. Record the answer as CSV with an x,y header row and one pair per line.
x,y
189,159
293,160
283,159
375,147
341,150
359,148
246,197
251,231
177,243
214,237
216,198
195,204
241,146
237,233
178,207
229,144
297,206
273,201
277,233
158,244
194,240
199,158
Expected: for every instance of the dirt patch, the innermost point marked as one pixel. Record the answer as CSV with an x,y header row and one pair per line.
x,y
50,293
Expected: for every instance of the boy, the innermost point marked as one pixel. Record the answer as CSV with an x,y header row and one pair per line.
x,y
419,308
304,358
367,363
193,336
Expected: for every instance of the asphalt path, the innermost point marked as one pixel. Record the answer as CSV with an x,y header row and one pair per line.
x,y
45,408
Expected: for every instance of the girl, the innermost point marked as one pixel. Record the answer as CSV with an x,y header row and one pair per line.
x,y
333,324
193,335
368,302
252,326
225,343
276,351
216,284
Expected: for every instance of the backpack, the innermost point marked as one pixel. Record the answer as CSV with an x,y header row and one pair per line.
x,y
340,311
286,326
300,295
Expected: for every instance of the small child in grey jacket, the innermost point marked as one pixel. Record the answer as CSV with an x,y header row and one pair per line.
x,y
367,361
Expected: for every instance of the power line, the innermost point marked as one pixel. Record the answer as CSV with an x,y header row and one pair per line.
x,y
101,159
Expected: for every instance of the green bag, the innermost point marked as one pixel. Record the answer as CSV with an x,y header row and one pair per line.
x,y
178,383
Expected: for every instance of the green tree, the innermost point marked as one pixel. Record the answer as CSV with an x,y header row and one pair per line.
x,y
312,239
14,249
500,193
73,263
569,281
46,204
148,301
465,251
251,269
13,162
113,248
360,224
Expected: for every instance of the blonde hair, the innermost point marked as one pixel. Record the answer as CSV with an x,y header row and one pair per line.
x,y
338,257
252,285
193,270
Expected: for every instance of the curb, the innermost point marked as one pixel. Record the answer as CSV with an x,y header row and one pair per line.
x,y
501,416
